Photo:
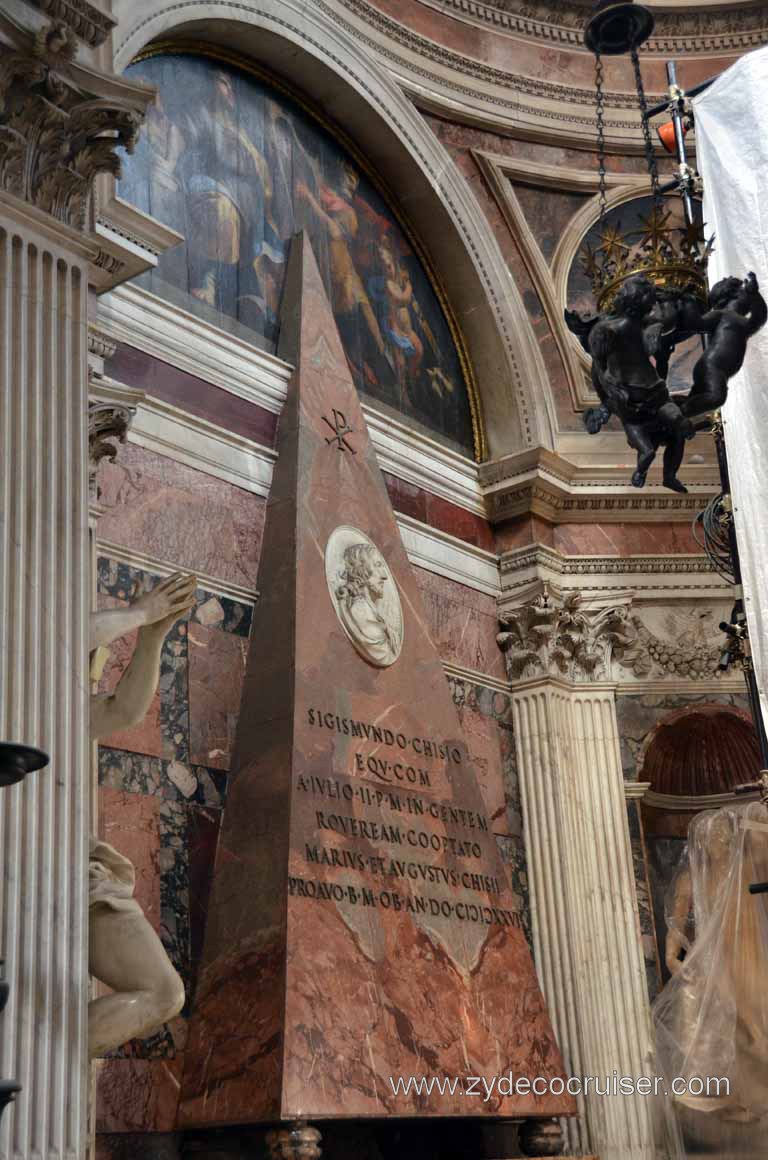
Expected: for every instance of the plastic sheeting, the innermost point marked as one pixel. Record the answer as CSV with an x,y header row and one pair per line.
x,y
732,145
711,1020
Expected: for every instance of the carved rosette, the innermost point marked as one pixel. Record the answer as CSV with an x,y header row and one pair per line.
x,y
55,135
551,636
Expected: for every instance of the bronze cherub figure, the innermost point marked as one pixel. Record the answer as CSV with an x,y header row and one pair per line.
x,y
627,381
631,346
737,310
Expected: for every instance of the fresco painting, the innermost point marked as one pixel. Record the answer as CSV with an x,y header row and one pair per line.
x,y
277,171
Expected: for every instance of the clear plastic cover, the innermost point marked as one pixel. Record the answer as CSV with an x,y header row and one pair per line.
x,y
711,1020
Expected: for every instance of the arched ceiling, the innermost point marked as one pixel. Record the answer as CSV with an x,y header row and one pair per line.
x,y
521,65
691,20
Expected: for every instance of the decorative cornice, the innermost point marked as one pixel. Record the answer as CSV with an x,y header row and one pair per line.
x,y
543,483
439,552
554,636
635,791
653,578
678,803
562,23
86,21
475,677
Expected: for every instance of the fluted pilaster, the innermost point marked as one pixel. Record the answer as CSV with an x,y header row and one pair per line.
x,y
584,907
583,903
44,603
61,126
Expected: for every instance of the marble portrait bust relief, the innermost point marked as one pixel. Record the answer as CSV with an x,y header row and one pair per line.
x,y
364,595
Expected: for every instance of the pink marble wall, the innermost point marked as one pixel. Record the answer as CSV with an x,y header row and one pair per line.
x,y
163,508
463,624
624,539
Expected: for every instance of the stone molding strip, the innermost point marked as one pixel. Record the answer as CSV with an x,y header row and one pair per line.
x,y
185,438
158,566
525,571
542,482
677,33
86,21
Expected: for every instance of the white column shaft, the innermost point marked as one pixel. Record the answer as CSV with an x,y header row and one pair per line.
x,y
584,905
44,600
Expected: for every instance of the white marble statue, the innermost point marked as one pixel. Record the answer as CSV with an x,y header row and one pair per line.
x,y
365,595
125,953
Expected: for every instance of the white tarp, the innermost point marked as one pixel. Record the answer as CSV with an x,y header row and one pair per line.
x,y
732,145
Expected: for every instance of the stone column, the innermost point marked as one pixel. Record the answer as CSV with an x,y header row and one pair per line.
x,y
60,124
583,901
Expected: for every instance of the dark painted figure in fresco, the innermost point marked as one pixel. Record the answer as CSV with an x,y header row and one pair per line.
x,y
631,347
239,169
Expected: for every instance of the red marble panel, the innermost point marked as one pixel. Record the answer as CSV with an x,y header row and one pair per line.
x,y
202,837
457,521
522,532
408,498
414,501
138,1095
462,622
216,671
131,823
624,539
361,924
137,369
163,508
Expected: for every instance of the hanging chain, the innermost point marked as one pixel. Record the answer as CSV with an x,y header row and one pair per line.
x,y
650,155
600,101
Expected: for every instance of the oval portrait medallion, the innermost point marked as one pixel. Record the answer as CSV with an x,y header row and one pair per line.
x,y
365,595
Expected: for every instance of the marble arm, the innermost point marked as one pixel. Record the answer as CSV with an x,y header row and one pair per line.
x,y
676,940
171,595
133,696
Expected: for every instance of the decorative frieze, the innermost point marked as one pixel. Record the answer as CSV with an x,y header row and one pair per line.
x,y
542,483
86,21
562,22
688,648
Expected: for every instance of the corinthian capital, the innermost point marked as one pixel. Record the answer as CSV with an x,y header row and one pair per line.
x,y
60,124
552,636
